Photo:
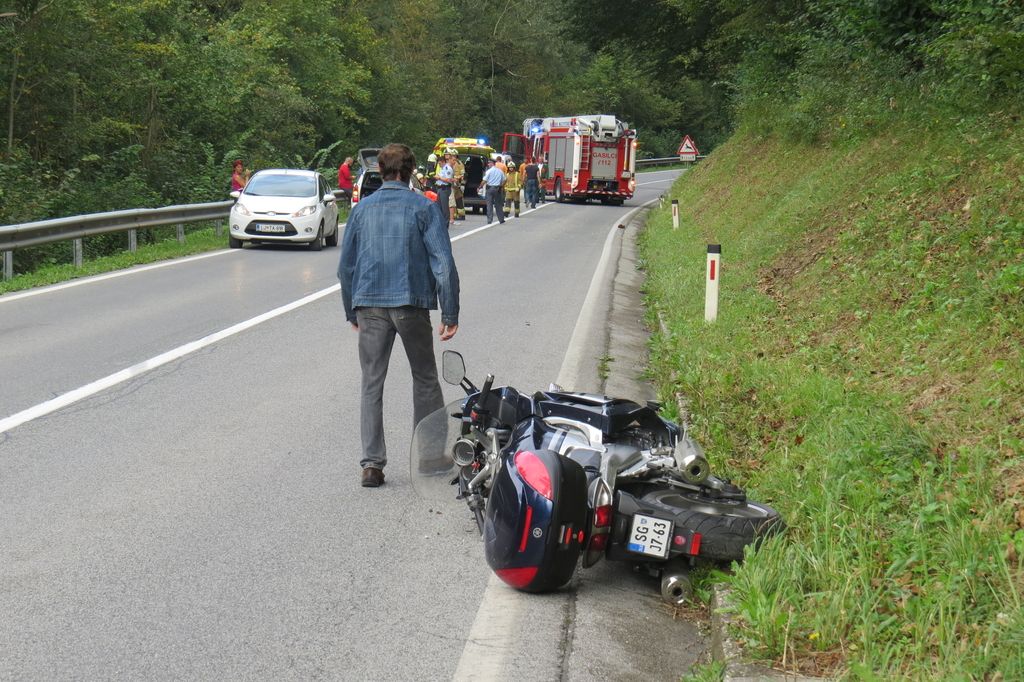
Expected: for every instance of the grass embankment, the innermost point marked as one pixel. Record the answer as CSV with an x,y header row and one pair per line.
x,y
865,377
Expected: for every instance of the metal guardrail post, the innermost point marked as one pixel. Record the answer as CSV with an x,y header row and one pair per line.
x,y
181,233
77,255
133,240
8,265
218,228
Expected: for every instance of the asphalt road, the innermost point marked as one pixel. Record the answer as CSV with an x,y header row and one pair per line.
x,y
204,518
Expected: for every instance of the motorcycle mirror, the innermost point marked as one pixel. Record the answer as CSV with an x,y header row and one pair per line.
x,y
453,367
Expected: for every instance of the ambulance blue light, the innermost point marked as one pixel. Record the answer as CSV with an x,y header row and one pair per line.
x,y
482,141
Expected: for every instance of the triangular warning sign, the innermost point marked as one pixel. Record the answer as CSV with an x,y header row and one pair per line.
x,y
687,150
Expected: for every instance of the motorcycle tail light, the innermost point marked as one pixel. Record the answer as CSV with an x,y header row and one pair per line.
x,y
695,544
598,543
518,577
603,516
533,471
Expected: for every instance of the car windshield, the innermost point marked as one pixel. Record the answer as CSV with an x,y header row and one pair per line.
x,y
281,186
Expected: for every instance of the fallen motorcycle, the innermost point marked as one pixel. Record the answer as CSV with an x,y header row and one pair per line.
x,y
556,477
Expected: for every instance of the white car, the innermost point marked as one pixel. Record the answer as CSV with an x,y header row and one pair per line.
x,y
284,205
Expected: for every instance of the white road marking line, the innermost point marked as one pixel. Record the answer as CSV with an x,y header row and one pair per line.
x,y
106,382
498,616
116,378
111,275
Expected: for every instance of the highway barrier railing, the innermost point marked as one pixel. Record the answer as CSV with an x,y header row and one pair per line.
x,y
665,161
78,227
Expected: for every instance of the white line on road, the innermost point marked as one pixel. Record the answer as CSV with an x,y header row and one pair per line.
x,y
111,275
73,396
498,617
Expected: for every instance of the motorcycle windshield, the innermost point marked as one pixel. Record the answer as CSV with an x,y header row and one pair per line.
x,y
430,454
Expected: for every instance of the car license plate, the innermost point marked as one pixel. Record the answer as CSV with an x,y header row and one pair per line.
x,y
269,227
650,536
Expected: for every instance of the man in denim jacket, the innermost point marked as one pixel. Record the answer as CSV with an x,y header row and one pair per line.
x,y
396,262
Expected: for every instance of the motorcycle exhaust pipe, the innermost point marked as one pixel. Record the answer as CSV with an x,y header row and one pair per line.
x,y
691,461
676,588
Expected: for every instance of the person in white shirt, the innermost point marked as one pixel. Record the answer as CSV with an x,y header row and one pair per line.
x,y
493,181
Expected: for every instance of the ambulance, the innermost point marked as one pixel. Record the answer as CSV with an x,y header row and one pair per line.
x,y
473,153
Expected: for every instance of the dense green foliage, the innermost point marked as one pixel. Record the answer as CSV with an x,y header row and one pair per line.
x,y
112,105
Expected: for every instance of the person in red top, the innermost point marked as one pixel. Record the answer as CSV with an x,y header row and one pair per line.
x,y
345,177
239,176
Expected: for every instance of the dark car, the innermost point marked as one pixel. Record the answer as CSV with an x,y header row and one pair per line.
x,y
369,179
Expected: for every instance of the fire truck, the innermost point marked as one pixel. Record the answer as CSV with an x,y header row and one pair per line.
x,y
584,157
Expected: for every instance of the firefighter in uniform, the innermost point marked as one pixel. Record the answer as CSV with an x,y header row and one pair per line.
x,y
457,188
431,171
512,186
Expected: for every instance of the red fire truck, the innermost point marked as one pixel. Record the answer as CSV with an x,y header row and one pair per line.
x,y
582,157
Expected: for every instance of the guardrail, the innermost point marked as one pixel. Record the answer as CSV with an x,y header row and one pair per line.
x,y
665,161
78,227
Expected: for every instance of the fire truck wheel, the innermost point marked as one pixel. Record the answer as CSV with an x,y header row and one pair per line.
x,y
559,197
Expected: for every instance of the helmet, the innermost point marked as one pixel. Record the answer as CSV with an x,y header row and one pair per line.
x,y
449,150
432,158
511,166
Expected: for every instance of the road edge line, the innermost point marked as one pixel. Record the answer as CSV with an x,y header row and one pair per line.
x,y
497,617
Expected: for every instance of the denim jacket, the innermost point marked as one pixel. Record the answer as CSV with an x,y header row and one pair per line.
x,y
396,252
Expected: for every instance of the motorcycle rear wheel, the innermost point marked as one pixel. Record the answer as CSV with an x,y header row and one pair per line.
x,y
726,526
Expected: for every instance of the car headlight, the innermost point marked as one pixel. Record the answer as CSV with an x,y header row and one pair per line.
x,y
304,211
241,209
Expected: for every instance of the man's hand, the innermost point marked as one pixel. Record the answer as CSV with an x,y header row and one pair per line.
x,y
355,327
447,331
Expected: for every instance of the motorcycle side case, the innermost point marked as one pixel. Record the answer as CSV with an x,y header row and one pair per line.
x,y
533,538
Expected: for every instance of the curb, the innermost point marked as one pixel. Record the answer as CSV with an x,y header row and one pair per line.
x,y
727,650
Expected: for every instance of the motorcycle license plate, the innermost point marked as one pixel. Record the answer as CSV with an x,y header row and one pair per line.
x,y
649,535
269,227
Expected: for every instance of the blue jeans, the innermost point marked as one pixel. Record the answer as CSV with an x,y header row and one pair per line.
x,y
531,193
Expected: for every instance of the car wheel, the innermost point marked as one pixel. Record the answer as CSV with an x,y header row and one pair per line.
x,y
559,197
318,243
234,243
332,239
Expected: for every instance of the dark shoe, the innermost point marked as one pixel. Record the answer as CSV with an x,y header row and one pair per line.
x,y
372,477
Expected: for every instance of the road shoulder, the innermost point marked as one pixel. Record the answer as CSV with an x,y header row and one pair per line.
x,y
621,628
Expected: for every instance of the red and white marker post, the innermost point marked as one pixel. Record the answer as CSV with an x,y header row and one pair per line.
x,y
675,214
714,273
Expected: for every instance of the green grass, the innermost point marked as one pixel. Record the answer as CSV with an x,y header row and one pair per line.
x,y
195,242
865,377
705,672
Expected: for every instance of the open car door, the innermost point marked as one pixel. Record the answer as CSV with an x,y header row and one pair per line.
x,y
514,145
